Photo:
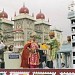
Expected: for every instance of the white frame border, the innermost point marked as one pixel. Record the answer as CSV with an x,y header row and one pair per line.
x,y
53,73
67,73
16,73
4,73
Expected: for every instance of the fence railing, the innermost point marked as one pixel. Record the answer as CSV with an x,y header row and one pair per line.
x,y
37,71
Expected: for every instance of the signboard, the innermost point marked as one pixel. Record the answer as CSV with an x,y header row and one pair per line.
x,y
14,56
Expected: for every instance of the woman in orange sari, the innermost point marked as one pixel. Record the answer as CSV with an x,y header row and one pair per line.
x,y
25,55
30,55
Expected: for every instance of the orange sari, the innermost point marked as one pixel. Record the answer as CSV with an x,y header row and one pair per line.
x,y
25,55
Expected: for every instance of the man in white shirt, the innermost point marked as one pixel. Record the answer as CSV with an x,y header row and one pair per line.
x,y
2,45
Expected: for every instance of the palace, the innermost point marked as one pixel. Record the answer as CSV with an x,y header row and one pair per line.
x,y
17,31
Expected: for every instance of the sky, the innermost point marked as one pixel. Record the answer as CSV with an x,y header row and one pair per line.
x,y
55,10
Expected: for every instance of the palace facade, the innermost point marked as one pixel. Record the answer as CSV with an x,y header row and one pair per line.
x,y
17,31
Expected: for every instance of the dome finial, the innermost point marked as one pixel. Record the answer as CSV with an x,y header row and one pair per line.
x,y
11,18
40,10
73,2
23,4
48,19
32,14
15,14
3,9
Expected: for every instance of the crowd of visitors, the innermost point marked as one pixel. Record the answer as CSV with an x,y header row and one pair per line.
x,y
34,57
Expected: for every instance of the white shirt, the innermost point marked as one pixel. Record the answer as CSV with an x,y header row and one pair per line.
x,y
44,64
2,45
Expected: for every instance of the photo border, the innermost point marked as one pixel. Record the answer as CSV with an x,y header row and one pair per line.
x,y
5,73
53,73
67,73
27,73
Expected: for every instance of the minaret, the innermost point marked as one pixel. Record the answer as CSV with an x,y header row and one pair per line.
x,y
42,28
23,27
71,16
6,28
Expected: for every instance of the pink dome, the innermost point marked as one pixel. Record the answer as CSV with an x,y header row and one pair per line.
x,y
24,10
40,16
3,14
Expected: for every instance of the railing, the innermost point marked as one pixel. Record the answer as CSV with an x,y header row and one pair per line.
x,y
37,71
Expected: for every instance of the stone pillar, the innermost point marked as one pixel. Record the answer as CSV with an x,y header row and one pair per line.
x,y
59,62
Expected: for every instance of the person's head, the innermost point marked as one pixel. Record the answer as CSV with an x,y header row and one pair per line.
x,y
69,39
62,64
1,40
51,35
33,36
11,48
6,47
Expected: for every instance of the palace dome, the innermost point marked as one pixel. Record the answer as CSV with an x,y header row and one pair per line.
x,y
24,10
40,16
3,14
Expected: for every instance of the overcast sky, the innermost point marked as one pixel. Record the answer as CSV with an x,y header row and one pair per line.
x,y
55,10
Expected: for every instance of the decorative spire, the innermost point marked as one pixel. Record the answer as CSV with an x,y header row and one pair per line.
x,y
32,14
3,9
15,14
3,12
69,7
11,18
23,4
48,19
40,10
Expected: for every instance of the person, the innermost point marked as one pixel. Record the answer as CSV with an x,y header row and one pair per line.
x,y
54,47
2,49
2,46
34,54
42,57
50,64
25,55
30,53
11,48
